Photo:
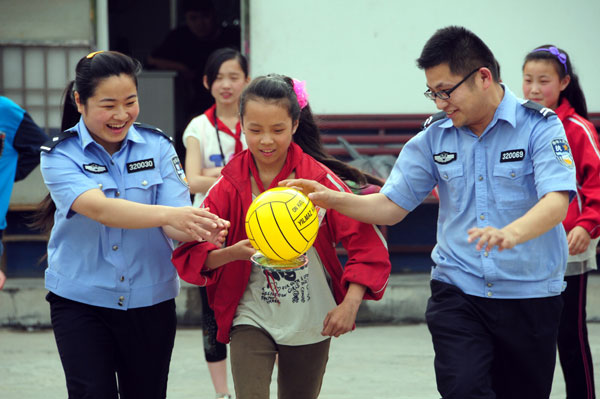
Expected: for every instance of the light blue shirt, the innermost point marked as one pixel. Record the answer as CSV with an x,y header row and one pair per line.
x,y
490,180
104,266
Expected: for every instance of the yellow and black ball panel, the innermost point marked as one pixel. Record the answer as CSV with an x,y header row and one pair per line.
x,y
282,223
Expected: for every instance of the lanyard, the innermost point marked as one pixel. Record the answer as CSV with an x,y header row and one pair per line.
x,y
219,138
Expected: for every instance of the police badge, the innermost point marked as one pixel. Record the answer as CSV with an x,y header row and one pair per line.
x,y
563,152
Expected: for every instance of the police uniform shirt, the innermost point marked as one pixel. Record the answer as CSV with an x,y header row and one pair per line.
x,y
490,180
100,265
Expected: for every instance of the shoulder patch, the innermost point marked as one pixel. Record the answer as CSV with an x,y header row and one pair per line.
x,y
545,112
153,129
563,152
179,171
433,118
54,140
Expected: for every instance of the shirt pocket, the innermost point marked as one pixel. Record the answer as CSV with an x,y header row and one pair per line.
x,y
453,178
514,186
106,183
142,186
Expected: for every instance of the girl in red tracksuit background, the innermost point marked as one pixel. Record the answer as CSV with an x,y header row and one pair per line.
x,y
549,79
295,319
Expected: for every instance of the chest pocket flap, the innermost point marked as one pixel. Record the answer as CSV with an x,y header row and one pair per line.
x,y
142,186
514,185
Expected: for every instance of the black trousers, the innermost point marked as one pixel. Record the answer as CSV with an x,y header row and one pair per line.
x,y
492,348
109,353
573,345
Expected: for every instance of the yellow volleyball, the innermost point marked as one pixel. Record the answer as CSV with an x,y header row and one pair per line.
x,y
282,223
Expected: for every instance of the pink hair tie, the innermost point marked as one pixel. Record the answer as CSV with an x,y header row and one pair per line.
x,y
301,94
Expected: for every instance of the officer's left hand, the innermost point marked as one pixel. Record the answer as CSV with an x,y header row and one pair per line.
x,y
490,237
199,224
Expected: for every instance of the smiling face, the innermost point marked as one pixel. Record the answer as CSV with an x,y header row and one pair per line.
x,y
465,106
268,127
542,84
111,111
229,83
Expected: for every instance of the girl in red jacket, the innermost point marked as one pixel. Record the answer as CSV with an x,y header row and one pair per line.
x,y
549,79
290,313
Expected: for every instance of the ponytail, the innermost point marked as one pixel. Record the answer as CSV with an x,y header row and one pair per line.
x,y
70,115
308,137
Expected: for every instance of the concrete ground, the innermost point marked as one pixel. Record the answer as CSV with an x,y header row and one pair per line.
x,y
374,361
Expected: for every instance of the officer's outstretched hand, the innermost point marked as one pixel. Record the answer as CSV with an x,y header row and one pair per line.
x,y
320,195
199,224
490,237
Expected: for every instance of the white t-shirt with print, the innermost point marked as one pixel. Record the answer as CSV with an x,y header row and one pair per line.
x,y
290,305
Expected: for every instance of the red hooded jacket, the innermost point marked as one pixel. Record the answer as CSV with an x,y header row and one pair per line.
x,y
368,261
584,211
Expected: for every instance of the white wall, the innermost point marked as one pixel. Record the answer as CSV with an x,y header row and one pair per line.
x,y
359,56
45,20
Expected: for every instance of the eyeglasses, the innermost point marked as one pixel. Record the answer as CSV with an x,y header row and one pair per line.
x,y
445,94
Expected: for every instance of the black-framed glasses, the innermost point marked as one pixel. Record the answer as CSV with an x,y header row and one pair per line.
x,y
445,94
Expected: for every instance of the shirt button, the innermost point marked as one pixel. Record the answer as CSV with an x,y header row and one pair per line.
x,y
489,284
122,278
144,182
512,174
482,216
121,298
118,194
485,254
489,293
115,247
100,186
480,178
112,162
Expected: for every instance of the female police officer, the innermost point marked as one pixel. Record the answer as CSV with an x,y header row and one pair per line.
x,y
118,197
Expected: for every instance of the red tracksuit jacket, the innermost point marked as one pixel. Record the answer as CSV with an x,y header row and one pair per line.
x,y
584,210
368,259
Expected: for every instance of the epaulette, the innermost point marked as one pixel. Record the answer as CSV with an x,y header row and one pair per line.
x,y
54,140
152,129
546,112
433,118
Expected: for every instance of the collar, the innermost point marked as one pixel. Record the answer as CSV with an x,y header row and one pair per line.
x,y
86,139
211,114
507,111
564,110
242,166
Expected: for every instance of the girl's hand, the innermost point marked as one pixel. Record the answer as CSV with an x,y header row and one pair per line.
x,y
320,195
341,319
2,279
242,250
578,239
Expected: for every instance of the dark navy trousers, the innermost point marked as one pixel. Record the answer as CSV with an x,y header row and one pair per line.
x,y
110,353
492,348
